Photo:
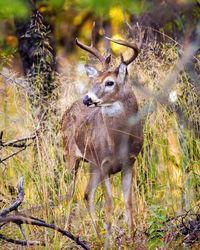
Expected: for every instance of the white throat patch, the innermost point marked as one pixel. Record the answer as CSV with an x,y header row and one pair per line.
x,y
114,109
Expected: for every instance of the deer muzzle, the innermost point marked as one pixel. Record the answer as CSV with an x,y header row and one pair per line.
x,y
87,100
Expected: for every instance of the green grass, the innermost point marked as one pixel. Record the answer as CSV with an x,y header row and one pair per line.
x,y
166,175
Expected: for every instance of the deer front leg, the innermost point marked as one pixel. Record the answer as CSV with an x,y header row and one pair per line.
x,y
109,208
127,192
94,180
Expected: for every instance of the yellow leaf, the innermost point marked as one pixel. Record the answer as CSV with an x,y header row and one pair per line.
x,y
116,47
42,9
77,20
116,14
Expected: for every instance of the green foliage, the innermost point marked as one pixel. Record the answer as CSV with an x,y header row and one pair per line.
x,y
10,8
136,7
178,24
57,4
6,55
157,226
102,7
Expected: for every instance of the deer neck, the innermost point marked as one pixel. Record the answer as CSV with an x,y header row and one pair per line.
x,y
121,108
116,114
114,117
113,110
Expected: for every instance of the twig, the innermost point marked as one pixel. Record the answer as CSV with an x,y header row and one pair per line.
x,y
19,200
28,91
15,153
21,242
30,217
22,231
183,217
16,143
13,143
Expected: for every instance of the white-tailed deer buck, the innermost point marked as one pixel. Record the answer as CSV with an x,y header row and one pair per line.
x,y
97,129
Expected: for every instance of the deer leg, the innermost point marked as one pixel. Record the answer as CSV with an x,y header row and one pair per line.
x,y
127,192
94,180
109,208
72,164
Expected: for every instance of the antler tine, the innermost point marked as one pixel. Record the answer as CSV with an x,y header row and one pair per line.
x,y
122,58
127,44
92,49
131,45
129,26
141,36
93,35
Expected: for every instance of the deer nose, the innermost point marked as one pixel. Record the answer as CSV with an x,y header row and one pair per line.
x,y
87,100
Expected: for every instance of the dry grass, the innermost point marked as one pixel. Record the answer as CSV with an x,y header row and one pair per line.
x,y
166,175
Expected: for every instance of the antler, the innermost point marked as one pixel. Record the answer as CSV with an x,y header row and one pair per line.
x,y
132,45
91,49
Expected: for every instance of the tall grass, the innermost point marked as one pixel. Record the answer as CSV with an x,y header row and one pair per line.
x,y
166,174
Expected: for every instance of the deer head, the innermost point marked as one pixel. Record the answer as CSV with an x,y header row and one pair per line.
x,y
107,82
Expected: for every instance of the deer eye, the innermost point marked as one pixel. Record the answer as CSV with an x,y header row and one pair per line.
x,y
109,83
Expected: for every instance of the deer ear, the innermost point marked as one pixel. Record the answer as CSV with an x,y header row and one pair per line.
x,y
92,72
122,73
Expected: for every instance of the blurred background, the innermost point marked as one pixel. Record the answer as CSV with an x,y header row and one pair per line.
x,y
65,20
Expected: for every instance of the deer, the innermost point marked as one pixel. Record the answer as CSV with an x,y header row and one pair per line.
x,y
96,128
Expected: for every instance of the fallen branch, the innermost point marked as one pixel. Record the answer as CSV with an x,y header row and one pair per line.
x,y
21,242
21,219
18,202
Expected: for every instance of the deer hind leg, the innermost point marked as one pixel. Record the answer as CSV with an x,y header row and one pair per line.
x,y
94,181
127,192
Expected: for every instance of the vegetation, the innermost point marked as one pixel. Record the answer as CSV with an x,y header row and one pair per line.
x,y
167,172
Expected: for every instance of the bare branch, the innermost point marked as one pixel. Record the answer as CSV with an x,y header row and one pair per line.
x,y
16,143
13,143
20,221
19,200
22,231
30,217
28,91
21,242
15,153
